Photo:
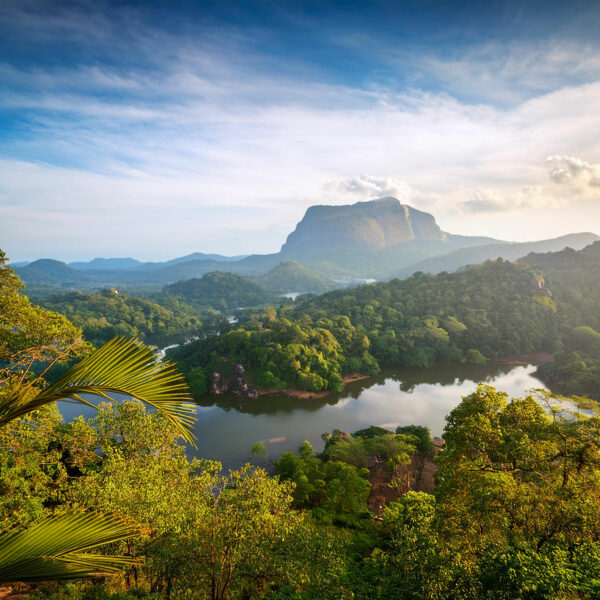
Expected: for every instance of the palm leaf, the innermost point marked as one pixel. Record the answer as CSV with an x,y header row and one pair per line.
x,y
120,366
53,548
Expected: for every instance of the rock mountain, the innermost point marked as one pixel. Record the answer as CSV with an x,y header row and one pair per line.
x,y
379,239
366,226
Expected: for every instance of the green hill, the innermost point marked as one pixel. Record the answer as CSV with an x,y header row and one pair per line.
x,y
219,290
47,270
575,281
103,315
289,276
489,311
508,251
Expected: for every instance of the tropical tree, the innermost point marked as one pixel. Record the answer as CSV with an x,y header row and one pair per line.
x,y
53,547
32,339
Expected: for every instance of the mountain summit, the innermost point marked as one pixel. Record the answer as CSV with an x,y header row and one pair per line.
x,y
372,226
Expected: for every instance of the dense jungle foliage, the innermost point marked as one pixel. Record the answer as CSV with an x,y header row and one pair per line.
x,y
490,311
221,291
513,515
574,278
103,315
494,310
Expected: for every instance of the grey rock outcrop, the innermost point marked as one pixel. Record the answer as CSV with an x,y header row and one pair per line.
x,y
372,225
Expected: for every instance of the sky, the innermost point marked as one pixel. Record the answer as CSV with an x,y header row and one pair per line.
x,y
153,129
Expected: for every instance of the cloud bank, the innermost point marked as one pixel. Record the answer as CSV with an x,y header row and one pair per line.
x,y
210,144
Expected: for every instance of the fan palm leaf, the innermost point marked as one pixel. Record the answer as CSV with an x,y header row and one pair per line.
x,y
121,366
54,548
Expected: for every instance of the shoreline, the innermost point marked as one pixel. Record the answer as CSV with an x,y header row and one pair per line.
x,y
306,395
531,358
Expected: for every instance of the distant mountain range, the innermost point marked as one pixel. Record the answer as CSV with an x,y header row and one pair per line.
x,y
508,251
330,247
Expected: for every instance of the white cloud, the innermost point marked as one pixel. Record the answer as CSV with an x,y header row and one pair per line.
x,y
491,200
199,148
367,187
574,172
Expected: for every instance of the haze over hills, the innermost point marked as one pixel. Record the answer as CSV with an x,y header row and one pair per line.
x,y
219,290
508,251
378,239
289,276
103,264
47,270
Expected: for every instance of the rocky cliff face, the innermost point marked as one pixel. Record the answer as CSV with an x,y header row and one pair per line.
x,y
373,225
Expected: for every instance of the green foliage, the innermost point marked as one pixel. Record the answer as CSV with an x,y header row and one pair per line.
x,y
514,513
53,547
220,291
197,380
101,316
424,443
484,312
275,351
371,432
518,491
29,334
289,276
475,357
119,367
575,281
268,380
258,449
210,535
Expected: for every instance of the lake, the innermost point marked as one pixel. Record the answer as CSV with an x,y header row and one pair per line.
x,y
227,427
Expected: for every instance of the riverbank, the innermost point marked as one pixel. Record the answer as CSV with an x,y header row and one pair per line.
x,y
532,358
306,395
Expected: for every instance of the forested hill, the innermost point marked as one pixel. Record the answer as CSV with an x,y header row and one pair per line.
x,y
51,271
289,276
508,251
220,290
103,315
499,308
575,281
493,310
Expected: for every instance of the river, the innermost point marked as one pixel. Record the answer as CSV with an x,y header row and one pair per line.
x,y
227,427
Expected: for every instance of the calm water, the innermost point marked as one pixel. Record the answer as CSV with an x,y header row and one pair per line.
x,y
227,428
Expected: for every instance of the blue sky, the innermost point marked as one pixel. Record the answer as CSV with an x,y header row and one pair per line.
x,y
154,129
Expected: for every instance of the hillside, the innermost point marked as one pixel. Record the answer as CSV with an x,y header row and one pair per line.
x,y
103,264
103,315
46,270
289,276
219,290
490,311
575,280
508,251
379,239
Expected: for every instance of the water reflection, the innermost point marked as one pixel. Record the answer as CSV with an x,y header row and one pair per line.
x,y
407,380
227,427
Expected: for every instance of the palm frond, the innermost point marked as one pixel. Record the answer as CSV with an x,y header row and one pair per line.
x,y
54,547
120,366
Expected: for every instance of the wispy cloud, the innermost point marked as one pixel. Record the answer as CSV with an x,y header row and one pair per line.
x,y
207,137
